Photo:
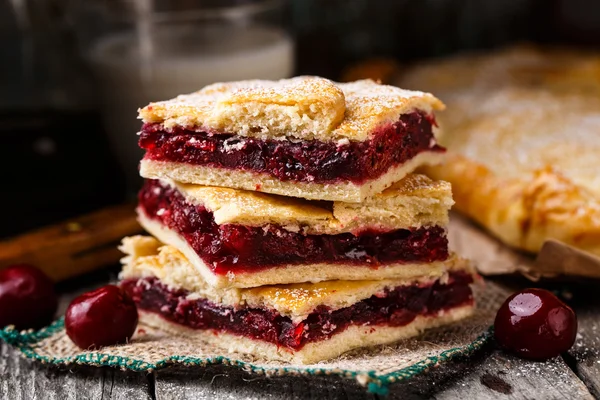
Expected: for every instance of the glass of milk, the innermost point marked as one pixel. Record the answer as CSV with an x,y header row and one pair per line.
x,y
151,50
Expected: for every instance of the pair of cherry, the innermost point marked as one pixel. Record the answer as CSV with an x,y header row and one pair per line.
x,y
532,323
103,317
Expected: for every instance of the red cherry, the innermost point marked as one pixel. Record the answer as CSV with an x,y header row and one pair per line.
x,y
27,297
535,324
103,317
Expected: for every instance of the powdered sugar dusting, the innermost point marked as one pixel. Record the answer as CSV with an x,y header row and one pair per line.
x,y
303,108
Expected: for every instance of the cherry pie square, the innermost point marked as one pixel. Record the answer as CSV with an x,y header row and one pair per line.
x,y
303,137
301,323
238,238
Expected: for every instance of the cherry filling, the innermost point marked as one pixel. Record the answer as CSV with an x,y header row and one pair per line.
x,y
397,307
302,161
239,248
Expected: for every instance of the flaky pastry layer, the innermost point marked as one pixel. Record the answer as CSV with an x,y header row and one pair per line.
x,y
413,202
147,257
353,337
342,192
294,273
522,147
304,108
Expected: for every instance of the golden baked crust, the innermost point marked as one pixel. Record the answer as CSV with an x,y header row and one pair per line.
x,y
523,146
304,108
412,202
248,180
147,257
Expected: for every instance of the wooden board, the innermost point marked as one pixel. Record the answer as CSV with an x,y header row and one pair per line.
x,y
73,247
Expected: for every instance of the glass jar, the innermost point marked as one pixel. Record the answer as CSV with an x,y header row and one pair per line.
x,y
150,50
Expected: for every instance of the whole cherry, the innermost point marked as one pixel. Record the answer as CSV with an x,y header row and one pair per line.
x,y
27,297
103,317
535,324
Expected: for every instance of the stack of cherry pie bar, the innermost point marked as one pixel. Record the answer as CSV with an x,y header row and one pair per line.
x,y
287,222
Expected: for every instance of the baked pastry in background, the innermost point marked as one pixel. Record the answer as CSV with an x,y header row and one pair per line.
x,y
303,137
239,238
523,138
301,323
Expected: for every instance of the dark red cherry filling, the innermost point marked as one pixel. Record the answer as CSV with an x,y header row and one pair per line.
x,y
535,324
237,247
103,317
302,161
27,297
397,307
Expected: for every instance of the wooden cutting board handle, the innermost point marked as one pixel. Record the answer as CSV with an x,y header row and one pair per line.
x,y
73,247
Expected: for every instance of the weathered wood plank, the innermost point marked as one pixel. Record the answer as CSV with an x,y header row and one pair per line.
x,y
21,379
491,375
496,376
227,383
506,376
585,354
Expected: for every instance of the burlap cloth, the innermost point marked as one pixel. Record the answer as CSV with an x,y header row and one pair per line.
x,y
376,368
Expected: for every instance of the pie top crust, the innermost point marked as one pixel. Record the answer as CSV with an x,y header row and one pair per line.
x,y
147,257
522,147
414,201
304,107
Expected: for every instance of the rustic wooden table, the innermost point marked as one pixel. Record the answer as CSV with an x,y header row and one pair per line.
x,y
489,374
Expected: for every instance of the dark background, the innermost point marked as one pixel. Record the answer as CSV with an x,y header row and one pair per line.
x,y
55,159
